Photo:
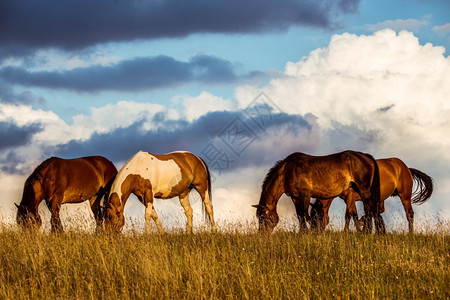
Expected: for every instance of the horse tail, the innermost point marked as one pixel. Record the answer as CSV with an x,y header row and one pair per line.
x,y
208,174
424,186
375,194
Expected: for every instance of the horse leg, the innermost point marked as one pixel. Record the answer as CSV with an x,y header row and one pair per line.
x,y
379,224
367,218
150,212
326,216
156,220
55,206
202,189
301,207
409,212
348,217
184,200
319,214
378,219
96,209
350,210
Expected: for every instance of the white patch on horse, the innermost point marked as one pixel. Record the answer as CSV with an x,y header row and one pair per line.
x,y
164,175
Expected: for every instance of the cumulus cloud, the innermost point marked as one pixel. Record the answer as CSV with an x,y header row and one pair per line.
x,y
79,24
386,83
384,93
195,107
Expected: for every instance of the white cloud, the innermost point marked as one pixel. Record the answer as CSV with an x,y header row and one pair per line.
x,y
385,89
56,60
398,25
195,107
121,114
383,93
442,29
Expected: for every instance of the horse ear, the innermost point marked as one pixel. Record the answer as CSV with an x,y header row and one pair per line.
x,y
16,205
255,206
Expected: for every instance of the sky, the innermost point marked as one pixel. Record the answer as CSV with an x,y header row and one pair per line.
x,y
240,83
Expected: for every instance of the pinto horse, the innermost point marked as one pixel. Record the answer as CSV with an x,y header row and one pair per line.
x,y
301,176
60,181
396,179
162,176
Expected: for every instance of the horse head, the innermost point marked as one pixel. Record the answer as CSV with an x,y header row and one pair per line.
x,y
267,218
114,218
26,218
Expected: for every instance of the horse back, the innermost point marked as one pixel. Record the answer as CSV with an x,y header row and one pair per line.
x,y
190,164
83,176
169,174
323,176
104,166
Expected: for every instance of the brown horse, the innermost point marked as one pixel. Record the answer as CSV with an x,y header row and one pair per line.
x,y
396,179
60,181
163,176
302,176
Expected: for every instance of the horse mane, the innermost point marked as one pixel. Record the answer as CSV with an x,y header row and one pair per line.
x,y
36,174
272,173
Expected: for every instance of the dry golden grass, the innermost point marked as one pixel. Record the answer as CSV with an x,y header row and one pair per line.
x,y
284,265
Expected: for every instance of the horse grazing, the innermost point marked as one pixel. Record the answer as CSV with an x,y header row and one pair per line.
x,y
163,176
396,179
301,176
60,181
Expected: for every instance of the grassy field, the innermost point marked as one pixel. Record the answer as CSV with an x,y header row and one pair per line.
x,y
284,265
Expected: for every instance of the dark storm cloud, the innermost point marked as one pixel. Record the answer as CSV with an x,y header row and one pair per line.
x,y
13,164
12,135
136,74
122,143
8,95
78,24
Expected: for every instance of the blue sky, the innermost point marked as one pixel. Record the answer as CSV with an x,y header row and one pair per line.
x,y
114,77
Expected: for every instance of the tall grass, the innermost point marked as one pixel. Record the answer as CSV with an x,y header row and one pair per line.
x,y
284,265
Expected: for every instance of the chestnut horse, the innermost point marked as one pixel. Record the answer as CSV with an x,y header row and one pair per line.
x,y
301,176
162,176
396,179
60,181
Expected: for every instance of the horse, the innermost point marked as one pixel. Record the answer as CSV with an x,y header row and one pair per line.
x,y
301,176
396,179
60,181
163,176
